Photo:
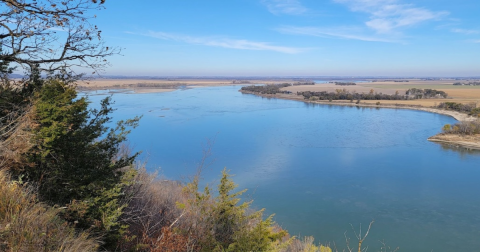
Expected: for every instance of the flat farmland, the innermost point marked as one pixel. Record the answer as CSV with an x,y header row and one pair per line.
x,y
456,93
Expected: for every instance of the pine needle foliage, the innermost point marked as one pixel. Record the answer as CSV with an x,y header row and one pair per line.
x,y
226,223
74,159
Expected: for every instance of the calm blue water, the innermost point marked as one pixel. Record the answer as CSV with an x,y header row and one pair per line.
x,y
320,168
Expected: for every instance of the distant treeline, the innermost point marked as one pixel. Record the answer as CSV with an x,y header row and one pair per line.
x,y
274,88
345,83
475,83
267,89
298,83
470,108
343,94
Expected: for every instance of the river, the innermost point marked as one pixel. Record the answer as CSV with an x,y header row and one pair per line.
x,y
319,168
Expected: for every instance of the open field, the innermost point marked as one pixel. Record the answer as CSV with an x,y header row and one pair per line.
x,y
461,94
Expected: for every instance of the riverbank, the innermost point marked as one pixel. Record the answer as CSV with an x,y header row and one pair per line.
x,y
469,142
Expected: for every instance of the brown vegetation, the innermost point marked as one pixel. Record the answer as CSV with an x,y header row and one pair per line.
x,y
463,128
27,225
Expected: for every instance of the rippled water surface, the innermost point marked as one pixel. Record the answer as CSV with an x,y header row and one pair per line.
x,y
320,168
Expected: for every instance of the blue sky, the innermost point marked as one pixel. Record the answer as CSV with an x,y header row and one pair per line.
x,y
293,37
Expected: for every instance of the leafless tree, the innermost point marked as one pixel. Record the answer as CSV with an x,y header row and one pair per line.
x,y
52,35
359,237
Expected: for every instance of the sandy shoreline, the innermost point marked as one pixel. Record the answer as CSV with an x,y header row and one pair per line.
x,y
468,142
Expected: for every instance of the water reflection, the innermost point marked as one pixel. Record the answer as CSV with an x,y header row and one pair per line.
x,y
462,151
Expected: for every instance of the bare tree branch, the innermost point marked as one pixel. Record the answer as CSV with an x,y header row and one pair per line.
x,y
53,35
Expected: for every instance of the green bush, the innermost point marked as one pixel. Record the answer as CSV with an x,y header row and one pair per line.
x,y
74,159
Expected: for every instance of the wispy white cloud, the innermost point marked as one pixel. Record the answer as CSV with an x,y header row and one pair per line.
x,y
240,44
465,31
290,7
476,41
388,15
337,32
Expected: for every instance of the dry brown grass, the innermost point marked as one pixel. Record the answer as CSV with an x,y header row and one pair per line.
x,y
15,137
26,225
150,211
470,93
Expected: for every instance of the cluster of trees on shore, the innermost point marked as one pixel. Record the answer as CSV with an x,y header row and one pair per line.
x,y
299,83
266,89
475,83
345,83
469,108
343,94
273,88
418,93
463,128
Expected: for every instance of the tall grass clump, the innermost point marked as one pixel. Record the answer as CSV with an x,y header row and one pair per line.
x,y
27,225
151,207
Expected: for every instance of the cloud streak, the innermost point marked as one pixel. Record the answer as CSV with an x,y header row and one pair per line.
x,y
338,32
464,31
289,7
239,44
388,15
